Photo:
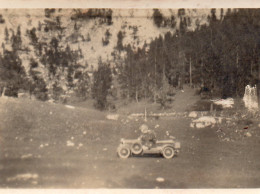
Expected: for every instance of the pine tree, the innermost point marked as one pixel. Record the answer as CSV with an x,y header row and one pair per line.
x,y
102,80
83,86
12,73
33,37
157,17
70,76
120,37
6,35
2,20
16,40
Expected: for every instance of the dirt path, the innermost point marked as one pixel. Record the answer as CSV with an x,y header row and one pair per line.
x,y
184,99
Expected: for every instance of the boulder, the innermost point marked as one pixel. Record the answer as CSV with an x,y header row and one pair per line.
x,y
112,117
193,114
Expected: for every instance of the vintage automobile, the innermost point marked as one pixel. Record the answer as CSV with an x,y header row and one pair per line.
x,y
168,148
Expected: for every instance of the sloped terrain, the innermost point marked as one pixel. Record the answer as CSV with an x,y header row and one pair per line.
x,y
45,145
137,26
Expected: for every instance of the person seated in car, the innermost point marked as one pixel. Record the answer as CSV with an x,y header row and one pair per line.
x,y
147,137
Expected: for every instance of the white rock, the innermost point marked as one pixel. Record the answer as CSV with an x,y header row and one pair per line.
x,y
70,143
193,114
113,117
84,132
200,125
192,125
248,134
160,179
69,106
204,121
25,156
51,101
156,126
23,177
80,145
225,103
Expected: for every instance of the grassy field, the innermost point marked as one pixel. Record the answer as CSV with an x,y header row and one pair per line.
x,y
45,145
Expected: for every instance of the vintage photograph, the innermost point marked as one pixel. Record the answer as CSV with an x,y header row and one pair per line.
x,y
95,98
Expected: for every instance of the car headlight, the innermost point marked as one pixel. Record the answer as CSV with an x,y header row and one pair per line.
x,y
177,145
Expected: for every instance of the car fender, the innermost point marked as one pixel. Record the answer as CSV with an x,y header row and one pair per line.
x,y
167,145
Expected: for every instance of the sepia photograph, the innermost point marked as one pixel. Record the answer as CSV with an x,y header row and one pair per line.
x,y
129,98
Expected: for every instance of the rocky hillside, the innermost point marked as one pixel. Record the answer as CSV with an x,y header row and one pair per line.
x,y
91,35
137,27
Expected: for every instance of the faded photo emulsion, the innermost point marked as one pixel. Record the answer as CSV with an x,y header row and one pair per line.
x,y
129,98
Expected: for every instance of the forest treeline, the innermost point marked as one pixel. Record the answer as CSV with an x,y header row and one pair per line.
x,y
221,55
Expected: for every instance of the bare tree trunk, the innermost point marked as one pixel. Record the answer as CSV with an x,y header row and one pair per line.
x,y
251,67
154,95
136,95
258,85
183,71
3,93
237,60
211,43
190,74
155,75
128,94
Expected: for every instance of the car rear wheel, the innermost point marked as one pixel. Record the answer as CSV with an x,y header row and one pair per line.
x,y
168,152
136,148
124,152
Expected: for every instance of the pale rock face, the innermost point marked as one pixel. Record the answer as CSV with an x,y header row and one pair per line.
x,y
225,103
203,122
137,26
193,114
250,98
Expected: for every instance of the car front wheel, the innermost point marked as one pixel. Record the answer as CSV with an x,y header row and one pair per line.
x,y
124,152
168,152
